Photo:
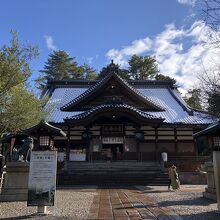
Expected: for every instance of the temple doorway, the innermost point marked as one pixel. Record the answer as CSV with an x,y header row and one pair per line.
x,y
113,152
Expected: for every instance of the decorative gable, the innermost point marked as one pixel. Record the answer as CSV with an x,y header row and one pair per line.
x,y
111,89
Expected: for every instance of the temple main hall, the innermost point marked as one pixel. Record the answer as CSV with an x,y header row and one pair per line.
x,y
117,120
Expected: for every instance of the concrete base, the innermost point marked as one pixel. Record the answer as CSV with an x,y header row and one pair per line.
x,y
16,182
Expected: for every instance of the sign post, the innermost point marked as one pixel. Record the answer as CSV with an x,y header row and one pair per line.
x,y
42,180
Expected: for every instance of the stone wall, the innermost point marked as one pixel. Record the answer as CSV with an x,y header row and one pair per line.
x,y
197,178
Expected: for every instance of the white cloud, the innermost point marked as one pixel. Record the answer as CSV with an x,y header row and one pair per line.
x,y
187,2
50,43
137,47
180,53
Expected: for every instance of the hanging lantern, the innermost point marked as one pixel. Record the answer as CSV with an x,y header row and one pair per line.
x,y
139,135
86,135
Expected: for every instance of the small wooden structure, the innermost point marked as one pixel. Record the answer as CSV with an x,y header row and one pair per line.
x,y
43,134
212,136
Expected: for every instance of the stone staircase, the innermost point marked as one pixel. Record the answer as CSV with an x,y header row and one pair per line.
x,y
110,173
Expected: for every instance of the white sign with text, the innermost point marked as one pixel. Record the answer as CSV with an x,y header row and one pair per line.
x,y
42,178
112,140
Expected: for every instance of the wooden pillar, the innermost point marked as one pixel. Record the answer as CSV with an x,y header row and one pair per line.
x,y
68,144
87,135
88,151
176,141
211,144
195,146
137,143
156,143
138,149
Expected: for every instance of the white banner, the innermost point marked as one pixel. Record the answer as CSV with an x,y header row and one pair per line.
x,y
112,140
42,178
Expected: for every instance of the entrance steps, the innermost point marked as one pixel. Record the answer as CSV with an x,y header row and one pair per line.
x,y
119,172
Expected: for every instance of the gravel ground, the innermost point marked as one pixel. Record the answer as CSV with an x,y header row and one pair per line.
x,y
188,202
75,204
70,204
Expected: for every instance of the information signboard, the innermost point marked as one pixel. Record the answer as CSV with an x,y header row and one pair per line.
x,y
112,140
42,178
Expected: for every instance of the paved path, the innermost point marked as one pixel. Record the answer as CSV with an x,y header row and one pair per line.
x,y
127,204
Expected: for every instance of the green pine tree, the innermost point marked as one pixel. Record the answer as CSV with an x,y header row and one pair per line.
x,y
19,108
142,67
165,78
121,72
60,66
193,98
88,72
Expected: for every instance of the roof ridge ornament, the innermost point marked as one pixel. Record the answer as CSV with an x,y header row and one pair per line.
x,y
112,68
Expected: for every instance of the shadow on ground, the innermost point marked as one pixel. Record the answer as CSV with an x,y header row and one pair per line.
x,y
37,217
213,215
200,201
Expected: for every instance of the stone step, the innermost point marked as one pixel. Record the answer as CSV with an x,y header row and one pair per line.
x,y
98,181
101,178
131,166
113,163
114,169
110,174
119,172
118,175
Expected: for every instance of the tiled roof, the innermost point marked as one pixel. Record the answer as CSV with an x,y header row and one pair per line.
x,y
176,110
209,130
115,107
101,83
44,125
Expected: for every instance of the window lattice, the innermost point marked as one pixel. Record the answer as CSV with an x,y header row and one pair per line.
x,y
216,141
44,140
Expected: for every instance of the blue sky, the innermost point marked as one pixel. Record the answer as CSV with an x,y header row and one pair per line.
x,y
95,31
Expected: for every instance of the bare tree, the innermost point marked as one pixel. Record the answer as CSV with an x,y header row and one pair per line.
x,y
209,12
210,90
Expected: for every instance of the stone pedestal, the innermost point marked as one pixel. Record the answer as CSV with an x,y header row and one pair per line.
x,y
42,210
210,191
16,182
